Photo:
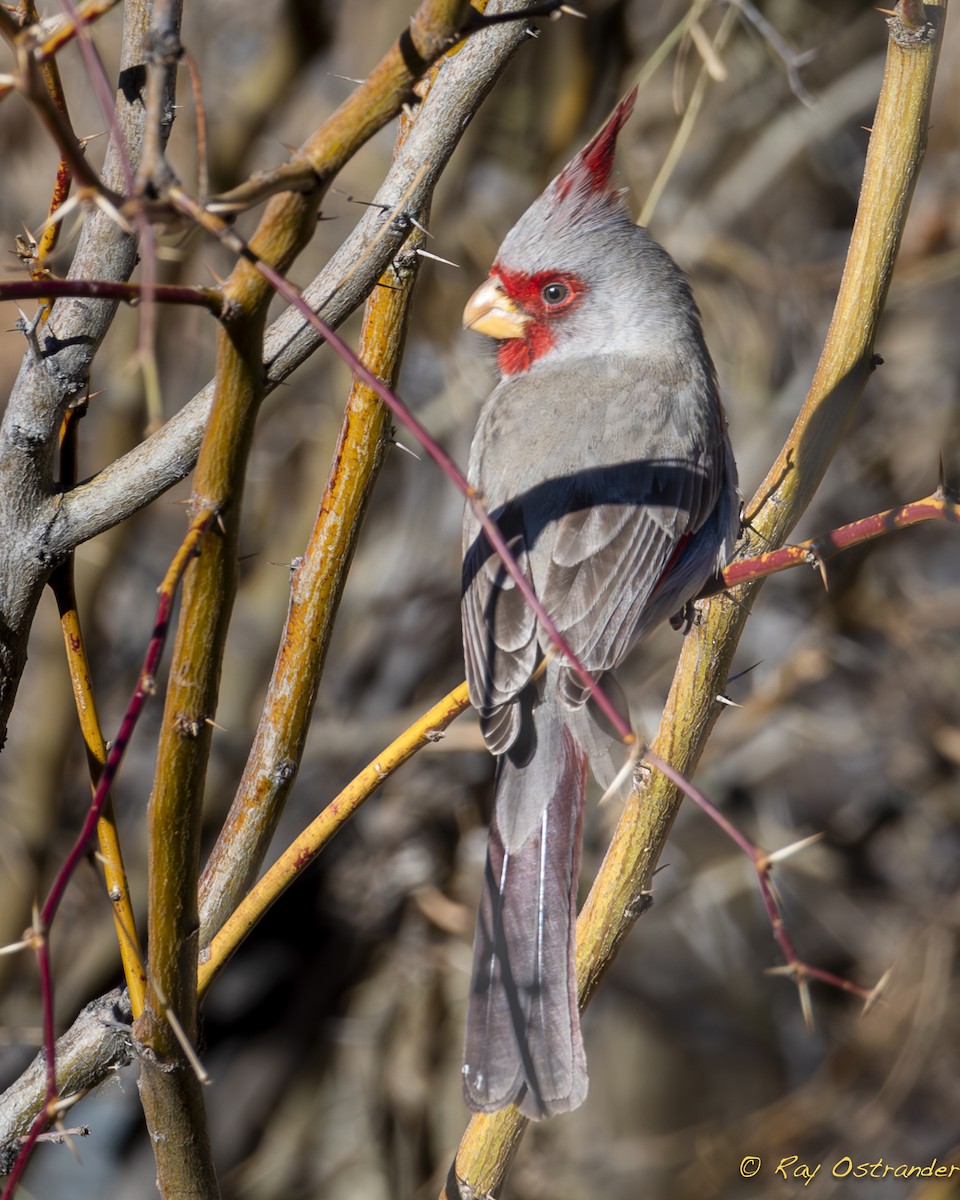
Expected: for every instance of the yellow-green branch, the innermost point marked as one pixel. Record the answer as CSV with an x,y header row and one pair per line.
x,y
301,853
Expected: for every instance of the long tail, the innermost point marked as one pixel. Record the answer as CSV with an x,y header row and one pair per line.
x,y
523,1042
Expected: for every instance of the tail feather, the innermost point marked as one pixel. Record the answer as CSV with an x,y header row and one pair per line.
x,y
523,1041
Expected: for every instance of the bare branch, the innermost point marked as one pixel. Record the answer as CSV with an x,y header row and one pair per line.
x,y
165,458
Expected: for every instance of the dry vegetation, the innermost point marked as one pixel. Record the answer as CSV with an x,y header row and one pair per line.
x,y
333,1037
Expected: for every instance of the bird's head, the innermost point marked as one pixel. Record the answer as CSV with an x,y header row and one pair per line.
x,y
575,276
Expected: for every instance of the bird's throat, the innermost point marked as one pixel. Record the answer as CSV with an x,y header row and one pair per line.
x,y
517,355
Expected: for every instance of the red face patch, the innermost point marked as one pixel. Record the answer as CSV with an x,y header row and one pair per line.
x,y
545,297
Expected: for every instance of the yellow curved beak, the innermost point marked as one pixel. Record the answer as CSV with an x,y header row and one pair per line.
x,y
491,311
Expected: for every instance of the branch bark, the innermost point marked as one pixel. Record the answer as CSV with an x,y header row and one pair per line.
x,y
54,371
316,586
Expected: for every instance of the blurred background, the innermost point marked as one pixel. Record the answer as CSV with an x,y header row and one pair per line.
x,y
333,1039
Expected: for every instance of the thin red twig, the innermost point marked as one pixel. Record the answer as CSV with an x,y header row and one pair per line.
x,y
108,289
940,506
762,862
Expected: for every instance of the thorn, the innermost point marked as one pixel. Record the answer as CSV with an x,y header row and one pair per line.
x,y
942,478
788,970
721,699
806,1005
815,558
621,777
887,12
786,852
384,208
803,57
63,1103
28,327
213,725
437,258
348,78
71,1144
745,671
189,1053
109,210
572,12
405,449
877,991
423,229
91,137
16,947
772,885
30,323
711,59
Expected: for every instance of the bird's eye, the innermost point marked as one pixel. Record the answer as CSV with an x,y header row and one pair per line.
x,y
554,294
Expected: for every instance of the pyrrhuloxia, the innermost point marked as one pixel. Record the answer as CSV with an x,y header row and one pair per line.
x,y
603,456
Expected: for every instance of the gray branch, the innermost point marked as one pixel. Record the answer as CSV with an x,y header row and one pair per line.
x,y
55,370
98,1042
166,457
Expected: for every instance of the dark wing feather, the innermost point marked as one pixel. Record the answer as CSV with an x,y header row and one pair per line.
x,y
499,638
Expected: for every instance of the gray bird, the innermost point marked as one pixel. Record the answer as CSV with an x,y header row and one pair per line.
x,y
603,456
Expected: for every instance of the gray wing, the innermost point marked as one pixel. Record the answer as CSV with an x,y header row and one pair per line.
x,y
596,508
605,579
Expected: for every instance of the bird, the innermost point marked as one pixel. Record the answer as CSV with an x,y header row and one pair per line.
x,y
603,456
